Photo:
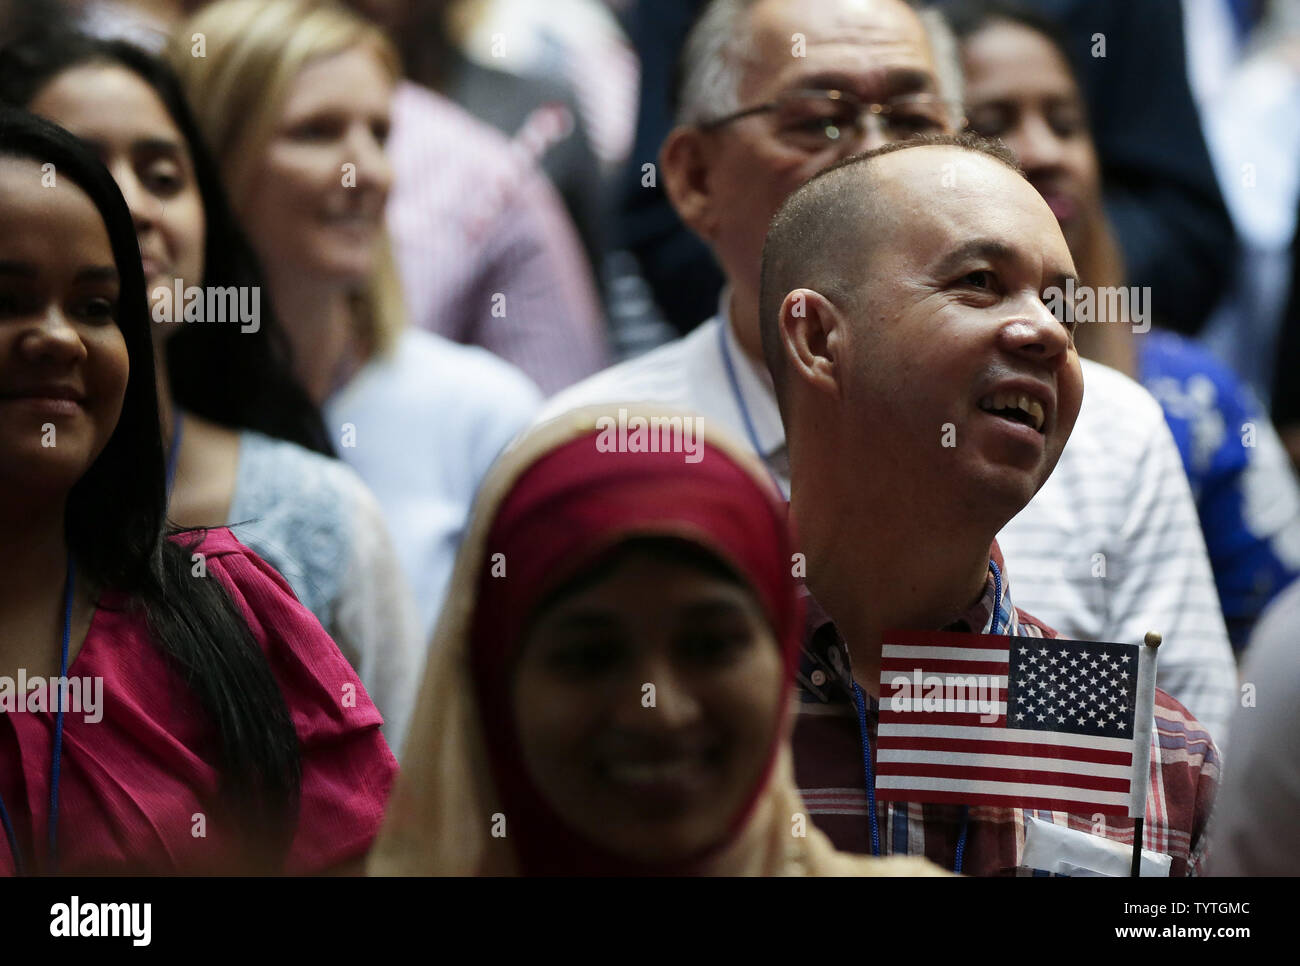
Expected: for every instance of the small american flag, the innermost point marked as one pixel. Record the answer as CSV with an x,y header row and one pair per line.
x,y
977,719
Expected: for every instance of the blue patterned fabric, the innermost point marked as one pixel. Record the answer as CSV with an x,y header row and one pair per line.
x,y
1245,490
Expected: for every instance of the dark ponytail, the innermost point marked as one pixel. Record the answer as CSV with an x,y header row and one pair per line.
x,y
208,642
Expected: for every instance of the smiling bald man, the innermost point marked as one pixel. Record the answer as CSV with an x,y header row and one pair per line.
x,y
770,93
927,393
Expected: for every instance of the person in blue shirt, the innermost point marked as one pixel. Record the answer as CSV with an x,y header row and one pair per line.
x,y
1022,87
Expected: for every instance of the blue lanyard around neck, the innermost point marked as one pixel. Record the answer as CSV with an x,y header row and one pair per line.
x,y
56,756
742,405
174,450
860,702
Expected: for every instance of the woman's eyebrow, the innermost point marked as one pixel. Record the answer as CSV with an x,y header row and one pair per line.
x,y
91,273
15,269
98,273
579,618
714,607
156,146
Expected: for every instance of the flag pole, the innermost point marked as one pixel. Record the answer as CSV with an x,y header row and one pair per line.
x,y
1146,707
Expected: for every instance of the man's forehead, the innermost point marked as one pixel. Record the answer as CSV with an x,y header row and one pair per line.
x,y
949,195
824,20
854,44
944,170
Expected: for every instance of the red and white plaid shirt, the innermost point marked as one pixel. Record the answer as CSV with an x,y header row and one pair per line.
x,y
830,772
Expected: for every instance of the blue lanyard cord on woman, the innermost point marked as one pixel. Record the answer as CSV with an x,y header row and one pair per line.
x,y
860,701
742,406
174,450
58,727
56,756
173,454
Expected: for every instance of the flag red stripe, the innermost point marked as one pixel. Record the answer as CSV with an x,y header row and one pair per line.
x,y
1005,801
1097,783
969,719
950,693
977,746
906,665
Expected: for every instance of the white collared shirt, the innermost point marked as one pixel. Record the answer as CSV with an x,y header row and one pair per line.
x,y
690,373
1109,548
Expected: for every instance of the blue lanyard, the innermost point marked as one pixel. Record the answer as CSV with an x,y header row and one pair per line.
x,y
860,702
997,598
741,405
174,450
57,756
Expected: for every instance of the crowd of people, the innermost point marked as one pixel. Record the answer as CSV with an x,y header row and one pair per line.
x,y
317,319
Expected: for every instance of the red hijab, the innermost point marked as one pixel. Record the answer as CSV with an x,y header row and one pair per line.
x,y
567,511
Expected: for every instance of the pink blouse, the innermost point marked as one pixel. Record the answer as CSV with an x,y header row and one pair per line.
x,y
138,788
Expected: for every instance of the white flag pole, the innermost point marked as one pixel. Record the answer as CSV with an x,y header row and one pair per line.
x,y
1144,718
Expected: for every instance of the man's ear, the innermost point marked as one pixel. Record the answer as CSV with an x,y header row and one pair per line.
x,y
812,338
684,162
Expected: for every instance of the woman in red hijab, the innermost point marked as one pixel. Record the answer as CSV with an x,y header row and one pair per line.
x,y
608,688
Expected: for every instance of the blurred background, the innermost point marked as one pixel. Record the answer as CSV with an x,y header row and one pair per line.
x,y
1195,108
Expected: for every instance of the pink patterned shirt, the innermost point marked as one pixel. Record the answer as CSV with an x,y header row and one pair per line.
x,y
485,249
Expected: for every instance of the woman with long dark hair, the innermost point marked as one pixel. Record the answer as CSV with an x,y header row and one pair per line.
x,y
247,446
214,727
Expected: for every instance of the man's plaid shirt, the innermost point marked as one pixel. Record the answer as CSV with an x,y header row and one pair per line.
x,y
830,773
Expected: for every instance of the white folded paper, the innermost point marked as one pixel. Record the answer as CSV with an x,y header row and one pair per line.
x,y
1066,851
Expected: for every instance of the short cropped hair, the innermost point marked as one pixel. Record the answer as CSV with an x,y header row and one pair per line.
x,y
823,224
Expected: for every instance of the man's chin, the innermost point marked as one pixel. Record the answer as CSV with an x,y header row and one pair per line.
x,y
1005,489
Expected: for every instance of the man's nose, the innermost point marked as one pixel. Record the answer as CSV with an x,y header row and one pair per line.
x,y
871,133
1033,331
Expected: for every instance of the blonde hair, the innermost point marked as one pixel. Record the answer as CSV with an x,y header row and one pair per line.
x,y
236,60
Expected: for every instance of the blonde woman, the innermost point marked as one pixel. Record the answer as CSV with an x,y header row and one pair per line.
x,y
610,687
294,98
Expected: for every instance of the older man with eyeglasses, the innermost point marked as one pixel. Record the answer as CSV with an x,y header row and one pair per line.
x,y
772,92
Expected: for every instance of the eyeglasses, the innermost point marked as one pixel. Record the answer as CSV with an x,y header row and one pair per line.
x,y
814,120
